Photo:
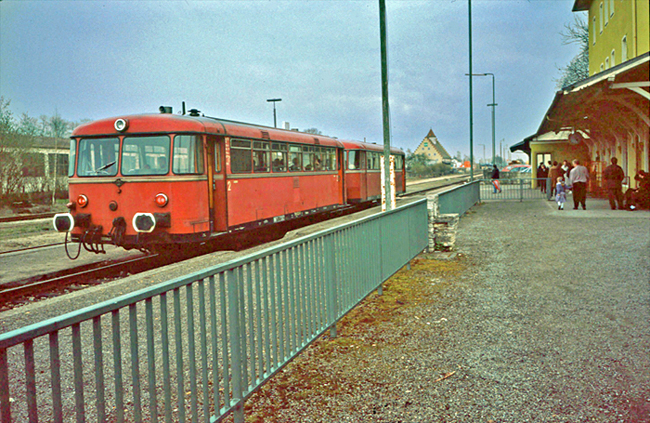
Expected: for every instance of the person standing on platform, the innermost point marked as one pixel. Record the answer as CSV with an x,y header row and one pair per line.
x,y
542,174
560,193
613,176
495,179
553,173
578,179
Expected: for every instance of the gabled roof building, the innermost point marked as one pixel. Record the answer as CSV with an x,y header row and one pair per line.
x,y
431,147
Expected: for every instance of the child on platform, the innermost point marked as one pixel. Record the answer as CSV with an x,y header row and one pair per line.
x,y
560,193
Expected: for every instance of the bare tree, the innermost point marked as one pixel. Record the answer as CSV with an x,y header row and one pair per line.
x,y
578,68
14,149
314,131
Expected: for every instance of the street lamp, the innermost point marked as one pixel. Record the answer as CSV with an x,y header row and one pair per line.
x,y
274,100
494,104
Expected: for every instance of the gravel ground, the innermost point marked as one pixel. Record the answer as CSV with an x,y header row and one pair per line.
x,y
543,316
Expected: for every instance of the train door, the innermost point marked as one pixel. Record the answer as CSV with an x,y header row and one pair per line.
x,y
217,179
342,166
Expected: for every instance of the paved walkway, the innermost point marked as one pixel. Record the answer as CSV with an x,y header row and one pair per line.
x,y
555,324
544,317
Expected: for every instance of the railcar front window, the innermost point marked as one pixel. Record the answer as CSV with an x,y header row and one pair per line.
x,y
73,155
145,155
98,156
188,154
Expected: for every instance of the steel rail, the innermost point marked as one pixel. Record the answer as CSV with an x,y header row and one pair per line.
x,y
84,277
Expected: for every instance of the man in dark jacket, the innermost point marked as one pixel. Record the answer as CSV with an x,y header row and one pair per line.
x,y
613,176
542,174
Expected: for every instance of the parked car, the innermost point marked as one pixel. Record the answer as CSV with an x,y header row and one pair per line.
x,y
517,168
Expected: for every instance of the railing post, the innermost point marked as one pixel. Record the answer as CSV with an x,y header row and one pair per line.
x,y
330,265
5,407
521,190
233,281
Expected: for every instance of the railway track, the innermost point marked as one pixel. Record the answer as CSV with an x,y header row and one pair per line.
x,y
58,283
78,277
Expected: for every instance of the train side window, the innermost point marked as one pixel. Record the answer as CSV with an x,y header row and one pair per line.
x,y
217,158
73,154
331,160
188,154
98,156
353,159
279,157
295,158
240,156
317,158
373,160
307,159
399,162
261,156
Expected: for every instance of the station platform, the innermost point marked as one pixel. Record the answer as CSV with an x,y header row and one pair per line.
x,y
537,315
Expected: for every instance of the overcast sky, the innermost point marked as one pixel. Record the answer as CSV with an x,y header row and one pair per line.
x,y
97,59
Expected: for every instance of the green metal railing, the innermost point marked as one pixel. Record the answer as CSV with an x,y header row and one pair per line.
x,y
514,189
459,199
199,345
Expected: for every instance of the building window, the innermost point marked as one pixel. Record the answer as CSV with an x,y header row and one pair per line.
x,y
606,14
601,18
594,27
611,7
606,62
613,62
624,49
602,68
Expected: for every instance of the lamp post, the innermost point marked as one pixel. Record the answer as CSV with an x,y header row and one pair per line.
x,y
274,100
494,104
471,102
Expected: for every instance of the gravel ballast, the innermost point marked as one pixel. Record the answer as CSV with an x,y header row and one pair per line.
x,y
541,316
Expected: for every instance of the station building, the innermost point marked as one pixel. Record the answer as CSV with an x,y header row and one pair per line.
x,y
431,147
607,114
33,164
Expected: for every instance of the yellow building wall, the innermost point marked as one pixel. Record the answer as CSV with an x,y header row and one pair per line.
x,y
559,151
620,18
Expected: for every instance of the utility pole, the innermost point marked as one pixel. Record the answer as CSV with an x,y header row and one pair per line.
x,y
471,105
384,101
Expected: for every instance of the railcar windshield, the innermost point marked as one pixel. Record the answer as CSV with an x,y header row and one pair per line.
x,y
98,156
145,155
73,155
188,155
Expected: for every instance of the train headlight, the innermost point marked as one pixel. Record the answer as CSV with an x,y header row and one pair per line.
x,y
144,222
161,200
63,222
121,125
82,201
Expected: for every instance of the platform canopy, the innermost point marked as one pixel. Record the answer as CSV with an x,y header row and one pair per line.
x,y
607,105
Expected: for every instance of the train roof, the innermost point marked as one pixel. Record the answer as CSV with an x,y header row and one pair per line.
x,y
358,145
170,123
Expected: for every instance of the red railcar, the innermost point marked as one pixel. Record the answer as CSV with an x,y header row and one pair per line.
x,y
363,171
146,181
